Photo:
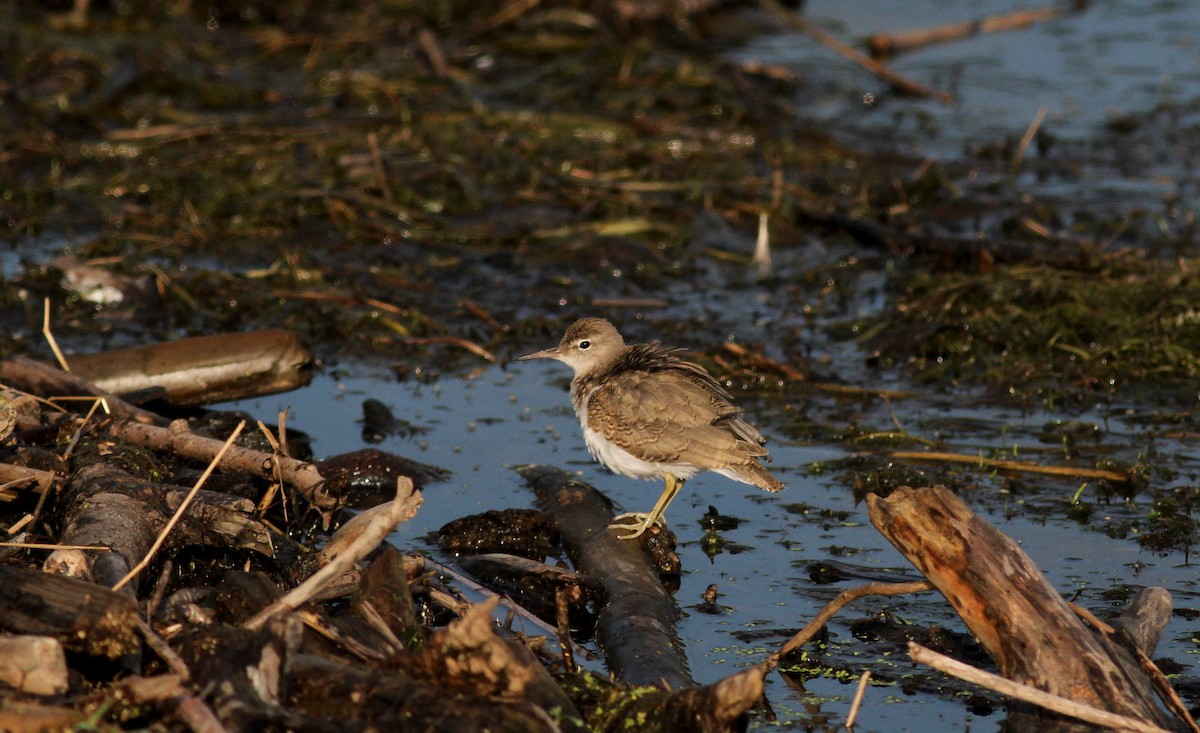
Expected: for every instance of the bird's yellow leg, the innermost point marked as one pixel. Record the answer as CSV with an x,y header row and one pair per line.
x,y
642,522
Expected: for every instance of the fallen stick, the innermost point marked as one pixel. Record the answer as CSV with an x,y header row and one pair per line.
x,y
1007,465
1028,694
183,505
178,439
380,525
898,82
883,45
635,624
838,603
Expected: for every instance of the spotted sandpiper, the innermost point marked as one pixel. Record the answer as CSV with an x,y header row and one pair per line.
x,y
647,413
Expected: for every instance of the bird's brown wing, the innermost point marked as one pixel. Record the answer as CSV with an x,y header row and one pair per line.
x,y
666,416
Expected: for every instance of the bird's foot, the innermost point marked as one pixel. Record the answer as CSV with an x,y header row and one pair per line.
x,y
641,522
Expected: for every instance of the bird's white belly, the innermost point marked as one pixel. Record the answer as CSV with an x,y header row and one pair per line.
x,y
620,461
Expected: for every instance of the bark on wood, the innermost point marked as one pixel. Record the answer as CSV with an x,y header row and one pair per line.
x,y
178,439
83,616
203,370
15,479
1024,624
104,505
41,379
636,623
385,700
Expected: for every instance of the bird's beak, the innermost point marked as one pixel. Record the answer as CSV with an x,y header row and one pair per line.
x,y
552,353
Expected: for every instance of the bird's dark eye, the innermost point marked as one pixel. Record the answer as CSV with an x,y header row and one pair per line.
x,y
584,345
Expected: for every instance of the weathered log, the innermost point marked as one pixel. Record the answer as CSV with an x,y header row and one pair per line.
x,y
636,623
17,478
325,690
43,380
204,369
104,505
177,438
83,616
1021,621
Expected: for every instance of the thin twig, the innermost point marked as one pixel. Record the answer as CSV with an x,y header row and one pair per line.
x,y
187,501
403,507
279,446
381,179
1165,690
831,609
45,546
897,81
1006,465
49,335
1028,138
762,361
79,428
1028,694
164,651
856,703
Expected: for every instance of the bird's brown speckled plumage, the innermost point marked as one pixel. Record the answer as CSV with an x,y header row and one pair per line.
x,y
648,413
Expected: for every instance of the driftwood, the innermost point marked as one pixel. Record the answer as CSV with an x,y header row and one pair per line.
x,y
81,615
178,439
890,44
35,377
636,622
104,505
1032,634
14,478
202,370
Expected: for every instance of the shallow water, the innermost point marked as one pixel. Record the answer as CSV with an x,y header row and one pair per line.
x,y
480,427
1119,57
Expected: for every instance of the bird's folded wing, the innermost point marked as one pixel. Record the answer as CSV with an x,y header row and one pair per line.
x,y
667,417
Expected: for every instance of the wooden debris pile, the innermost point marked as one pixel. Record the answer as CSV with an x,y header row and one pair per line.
x,y
159,573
